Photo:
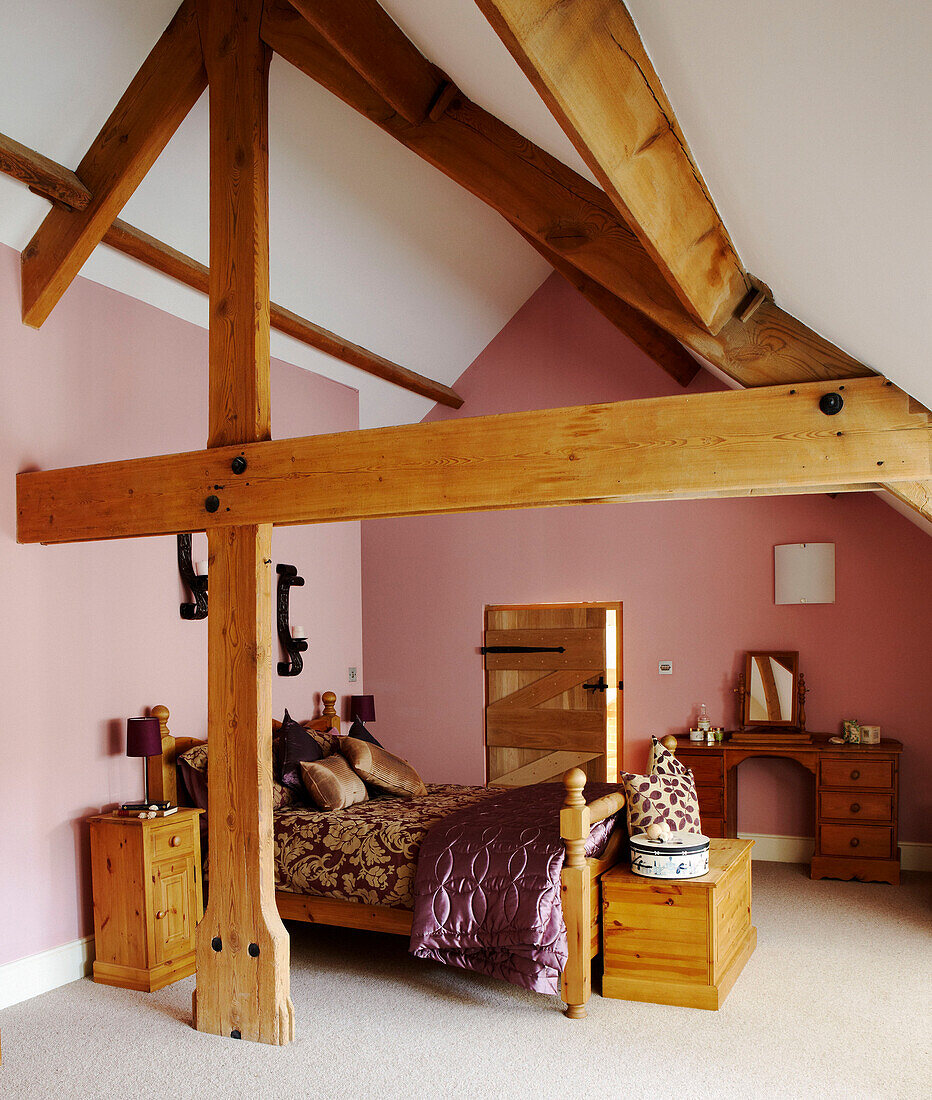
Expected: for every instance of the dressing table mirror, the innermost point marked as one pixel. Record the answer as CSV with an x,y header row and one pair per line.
x,y
771,698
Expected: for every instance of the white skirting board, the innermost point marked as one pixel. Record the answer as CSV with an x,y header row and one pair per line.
x,y
46,970
798,849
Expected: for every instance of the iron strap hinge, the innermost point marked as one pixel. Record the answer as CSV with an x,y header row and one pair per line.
x,y
523,649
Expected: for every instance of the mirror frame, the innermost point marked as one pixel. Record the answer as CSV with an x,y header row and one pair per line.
x,y
789,658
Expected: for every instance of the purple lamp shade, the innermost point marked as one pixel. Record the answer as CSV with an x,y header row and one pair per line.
x,y
362,707
143,737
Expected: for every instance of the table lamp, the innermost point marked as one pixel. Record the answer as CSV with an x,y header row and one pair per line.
x,y
362,707
143,738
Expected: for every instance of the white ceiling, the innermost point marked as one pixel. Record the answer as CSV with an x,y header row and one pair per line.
x,y
808,120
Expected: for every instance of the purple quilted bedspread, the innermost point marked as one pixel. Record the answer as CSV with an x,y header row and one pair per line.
x,y
487,891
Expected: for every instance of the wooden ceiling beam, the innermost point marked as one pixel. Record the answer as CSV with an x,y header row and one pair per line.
x,y
587,62
125,238
730,442
148,250
660,346
41,175
527,186
362,33
568,215
166,87
564,212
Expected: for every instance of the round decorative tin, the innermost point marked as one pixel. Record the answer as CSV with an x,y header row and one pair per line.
x,y
681,855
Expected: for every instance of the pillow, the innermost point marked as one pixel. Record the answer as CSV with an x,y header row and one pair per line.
x,y
193,767
381,769
668,800
360,733
296,744
332,783
660,761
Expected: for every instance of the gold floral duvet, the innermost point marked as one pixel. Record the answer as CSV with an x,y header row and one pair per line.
x,y
365,853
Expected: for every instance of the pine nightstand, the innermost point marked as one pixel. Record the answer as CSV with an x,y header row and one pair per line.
x,y
147,898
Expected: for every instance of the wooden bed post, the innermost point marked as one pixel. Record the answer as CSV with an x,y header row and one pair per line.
x,y
163,784
242,945
577,896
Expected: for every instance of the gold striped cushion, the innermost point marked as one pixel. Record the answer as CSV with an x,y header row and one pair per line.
x,y
332,783
380,768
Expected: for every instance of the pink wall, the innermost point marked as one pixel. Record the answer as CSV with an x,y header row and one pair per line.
x,y
92,632
696,579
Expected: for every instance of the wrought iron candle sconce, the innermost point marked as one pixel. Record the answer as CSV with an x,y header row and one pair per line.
x,y
293,645
197,584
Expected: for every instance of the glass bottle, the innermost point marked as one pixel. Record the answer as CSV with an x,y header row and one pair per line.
x,y
704,722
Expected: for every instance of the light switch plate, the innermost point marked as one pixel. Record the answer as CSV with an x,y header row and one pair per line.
x,y
665,668
351,675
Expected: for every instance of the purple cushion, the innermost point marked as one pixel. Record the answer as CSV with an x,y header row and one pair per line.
x,y
359,731
297,745
196,784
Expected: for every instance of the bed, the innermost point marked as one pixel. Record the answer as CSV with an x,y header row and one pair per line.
x,y
354,868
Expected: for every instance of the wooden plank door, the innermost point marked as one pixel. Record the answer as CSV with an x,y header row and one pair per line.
x,y
540,717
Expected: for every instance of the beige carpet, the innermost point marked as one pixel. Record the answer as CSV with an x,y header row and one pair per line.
x,y
834,1003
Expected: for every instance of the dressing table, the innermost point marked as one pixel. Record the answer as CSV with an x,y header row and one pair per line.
x,y
856,785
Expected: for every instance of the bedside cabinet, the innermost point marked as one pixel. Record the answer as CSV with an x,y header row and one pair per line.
x,y
147,898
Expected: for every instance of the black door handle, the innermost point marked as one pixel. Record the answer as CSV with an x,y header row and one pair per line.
x,y
600,685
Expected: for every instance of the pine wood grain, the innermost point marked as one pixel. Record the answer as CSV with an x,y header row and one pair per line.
x,y
242,945
159,97
731,441
681,942
42,175
372,43
588,63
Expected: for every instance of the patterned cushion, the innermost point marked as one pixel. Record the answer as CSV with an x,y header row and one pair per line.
x,y
382,769
668,800
193,766
332,783
661,761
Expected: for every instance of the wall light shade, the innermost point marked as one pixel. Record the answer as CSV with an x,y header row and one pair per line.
x,y
804,572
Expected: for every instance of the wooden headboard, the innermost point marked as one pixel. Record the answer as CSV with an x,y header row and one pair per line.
x,y
162,770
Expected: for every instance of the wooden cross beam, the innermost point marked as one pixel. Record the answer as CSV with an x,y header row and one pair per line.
x,y
151,109
732,442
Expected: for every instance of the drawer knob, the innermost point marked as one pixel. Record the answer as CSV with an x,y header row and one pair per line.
x,y
161,914
855,807
175,841
855,842
855,774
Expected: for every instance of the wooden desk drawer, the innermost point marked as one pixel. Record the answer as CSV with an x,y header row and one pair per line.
x,y
713,826
706,769
173,838
856,806
711,801
860,841
857,773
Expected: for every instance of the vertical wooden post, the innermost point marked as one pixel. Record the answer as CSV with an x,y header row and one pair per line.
x,y
242,945
577,896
